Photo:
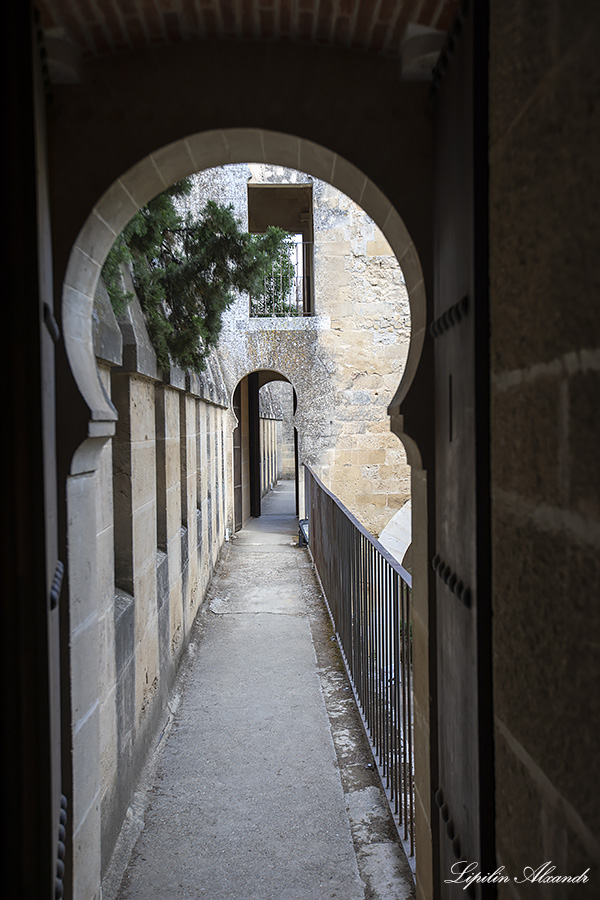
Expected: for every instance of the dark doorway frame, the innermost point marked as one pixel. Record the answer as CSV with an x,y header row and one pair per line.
x,y
254,440
238,508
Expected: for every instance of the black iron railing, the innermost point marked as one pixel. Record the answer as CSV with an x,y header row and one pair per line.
x,y
286,289
368,594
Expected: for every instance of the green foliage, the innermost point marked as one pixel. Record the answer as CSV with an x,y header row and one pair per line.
x,y
186,272
141,237
278,297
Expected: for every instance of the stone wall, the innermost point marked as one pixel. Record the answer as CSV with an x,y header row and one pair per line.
x,y
545,379
360,286
164,507
345,361
165,481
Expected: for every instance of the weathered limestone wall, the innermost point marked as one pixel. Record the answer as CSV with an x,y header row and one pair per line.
x,y
346,361
163,509
164,503
359,284
545,378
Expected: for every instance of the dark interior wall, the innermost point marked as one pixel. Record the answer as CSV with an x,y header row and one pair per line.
x,y
135,103
355,105
28,619
545,344
289,208
545,379
254,443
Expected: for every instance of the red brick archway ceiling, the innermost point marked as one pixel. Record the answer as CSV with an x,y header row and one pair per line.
x,y
103,27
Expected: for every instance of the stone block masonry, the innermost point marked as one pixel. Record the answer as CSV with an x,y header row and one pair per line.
x,y
164,508
346,359
545,382
165,482
265,757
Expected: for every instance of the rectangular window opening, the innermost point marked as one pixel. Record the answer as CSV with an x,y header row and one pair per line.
x,y
288,289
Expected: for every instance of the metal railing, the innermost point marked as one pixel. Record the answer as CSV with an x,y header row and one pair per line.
x,y
368,594
286,288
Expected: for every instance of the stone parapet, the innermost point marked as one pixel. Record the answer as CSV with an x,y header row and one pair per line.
x,y
281,323
163,513
108,341
345,361
138,353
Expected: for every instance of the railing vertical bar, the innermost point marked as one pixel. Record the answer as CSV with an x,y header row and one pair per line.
x,y
392,685
354,627
377,635
369,599
366,637
341,562
377,606
368,632
361,630
372,644
397,802
363,618
356,617
384,665
380,661
394,602
383,676
347,589
344,580
404,709
374,659
410,717
388,670
400,713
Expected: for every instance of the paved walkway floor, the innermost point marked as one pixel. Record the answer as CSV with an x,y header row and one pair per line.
x,y
262,789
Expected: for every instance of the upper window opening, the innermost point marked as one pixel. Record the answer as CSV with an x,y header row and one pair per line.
x,y
289,287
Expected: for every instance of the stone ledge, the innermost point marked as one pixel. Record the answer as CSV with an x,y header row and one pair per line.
x,y
108,341
138,353
281,323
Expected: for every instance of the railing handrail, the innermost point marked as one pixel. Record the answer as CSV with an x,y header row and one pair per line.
x,y
396,566
368,596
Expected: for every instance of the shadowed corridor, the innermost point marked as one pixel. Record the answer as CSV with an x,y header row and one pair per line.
x,y
262,785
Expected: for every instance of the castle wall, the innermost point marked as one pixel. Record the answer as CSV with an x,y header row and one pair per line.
x,y
386,166
360,286
164,486
163,509
346,360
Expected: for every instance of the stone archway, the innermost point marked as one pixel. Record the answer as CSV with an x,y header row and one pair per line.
x,y
169,164
110,214
247,439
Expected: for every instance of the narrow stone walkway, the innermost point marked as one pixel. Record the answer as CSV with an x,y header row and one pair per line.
x,y
263,789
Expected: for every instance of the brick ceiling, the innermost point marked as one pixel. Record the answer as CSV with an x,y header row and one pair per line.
x,y
102,27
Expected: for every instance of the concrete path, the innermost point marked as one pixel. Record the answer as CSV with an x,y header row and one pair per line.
x,y
255,796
